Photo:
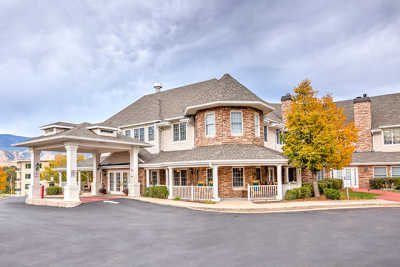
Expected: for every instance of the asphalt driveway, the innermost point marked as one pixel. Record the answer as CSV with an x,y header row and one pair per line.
x,y
134,233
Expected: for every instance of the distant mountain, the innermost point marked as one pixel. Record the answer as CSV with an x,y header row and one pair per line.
x,y
9,153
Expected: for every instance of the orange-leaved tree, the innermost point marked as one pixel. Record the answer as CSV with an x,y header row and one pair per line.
x,y
3,180
318,136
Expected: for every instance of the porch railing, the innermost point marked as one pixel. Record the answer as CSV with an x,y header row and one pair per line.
x,y
191,192
260,192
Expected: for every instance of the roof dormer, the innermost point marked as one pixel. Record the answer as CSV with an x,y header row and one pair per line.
x,y
104,130
55,128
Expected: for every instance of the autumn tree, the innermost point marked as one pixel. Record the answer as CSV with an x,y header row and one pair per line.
x,y
318,136
60,160
3,180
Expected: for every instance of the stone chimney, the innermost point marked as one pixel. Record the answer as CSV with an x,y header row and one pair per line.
x,y
157,87
286,101
363,122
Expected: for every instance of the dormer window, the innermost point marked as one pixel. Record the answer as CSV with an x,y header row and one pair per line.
x,y
179,131
139,134
391,136
103,130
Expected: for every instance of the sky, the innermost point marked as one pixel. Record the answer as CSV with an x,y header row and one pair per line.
x,y
82,61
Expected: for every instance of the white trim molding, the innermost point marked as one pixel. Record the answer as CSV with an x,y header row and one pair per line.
x,y
191,110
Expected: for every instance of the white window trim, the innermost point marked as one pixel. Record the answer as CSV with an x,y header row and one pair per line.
x,y
115,180
179,127
230,122
205,125
391,170
244,180
212,176
383,136
380,167
257,131
147,137
180,176
265,128
158,177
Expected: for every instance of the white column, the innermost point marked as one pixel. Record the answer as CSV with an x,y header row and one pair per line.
x,y
166,177
79,180
147,177
286,180
60,178
34,190
170,183
133,181
215,183
298,177
96,184
71,189
279,178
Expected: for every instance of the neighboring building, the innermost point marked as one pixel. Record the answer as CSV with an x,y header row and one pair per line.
x,y
23,179
215,139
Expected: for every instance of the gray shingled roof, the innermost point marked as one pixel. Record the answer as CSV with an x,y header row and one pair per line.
x,y
368,157
172,103
82,131
276,114
216,152
61,123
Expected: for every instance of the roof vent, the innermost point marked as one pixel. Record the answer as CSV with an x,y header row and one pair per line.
x,y
157,86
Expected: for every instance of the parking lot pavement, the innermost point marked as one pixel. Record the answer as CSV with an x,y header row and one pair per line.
x,y
126,232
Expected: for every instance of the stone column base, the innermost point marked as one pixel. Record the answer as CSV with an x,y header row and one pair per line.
x,y
71,193
134,190
35,192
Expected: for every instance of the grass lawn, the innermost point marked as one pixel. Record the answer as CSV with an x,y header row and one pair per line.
x,y
358,195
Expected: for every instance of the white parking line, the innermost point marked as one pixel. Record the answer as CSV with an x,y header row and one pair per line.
x,y
110,201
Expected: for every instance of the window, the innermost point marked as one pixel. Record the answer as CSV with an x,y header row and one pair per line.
x,y
27,166
128,132
320,175
117,181
27,186
210,124
141,134
391,136
106,131
27,176
151,133
279,140
136,134
265,133
154,178
179,131
236,123
237,177
111,181
257,124
258,173
271,174
209,176
380,172
395,171
180,177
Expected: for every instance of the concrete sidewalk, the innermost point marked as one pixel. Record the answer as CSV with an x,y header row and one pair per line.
x,y
244,206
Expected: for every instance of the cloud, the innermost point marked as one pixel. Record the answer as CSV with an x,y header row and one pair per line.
x,y
85,60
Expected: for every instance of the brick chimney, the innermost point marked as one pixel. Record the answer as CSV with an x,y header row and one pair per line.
x,y
286,101
363,122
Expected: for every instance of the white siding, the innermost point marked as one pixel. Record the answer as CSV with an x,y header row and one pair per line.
x,y
167,142
379,146
271,142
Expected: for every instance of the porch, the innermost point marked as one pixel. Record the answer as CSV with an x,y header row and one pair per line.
x,y
200,183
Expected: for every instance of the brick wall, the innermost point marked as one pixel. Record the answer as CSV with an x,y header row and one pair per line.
x,y
362,120
223,128
286,102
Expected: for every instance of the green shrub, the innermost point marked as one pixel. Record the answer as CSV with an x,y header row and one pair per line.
x,y
156,192
331,183
388,182
176,198
297,193
53,190
332,193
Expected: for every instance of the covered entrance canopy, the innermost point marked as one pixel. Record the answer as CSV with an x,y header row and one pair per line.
x,y
82,138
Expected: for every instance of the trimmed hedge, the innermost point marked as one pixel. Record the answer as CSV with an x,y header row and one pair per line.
x,y
332,193
156,192
53,190
331,183
388,182
301,192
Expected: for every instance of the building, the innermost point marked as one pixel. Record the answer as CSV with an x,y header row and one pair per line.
x,y
211,140
23,179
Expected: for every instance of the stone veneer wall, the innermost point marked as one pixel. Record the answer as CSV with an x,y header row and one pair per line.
x,y
362,120
223,128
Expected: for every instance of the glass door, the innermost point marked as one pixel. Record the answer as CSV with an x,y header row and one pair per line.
x,y
112,183
118,182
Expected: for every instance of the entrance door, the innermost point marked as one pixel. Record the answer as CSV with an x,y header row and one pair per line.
x,y
117,181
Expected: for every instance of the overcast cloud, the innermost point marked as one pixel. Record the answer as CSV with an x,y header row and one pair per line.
x,y
86,60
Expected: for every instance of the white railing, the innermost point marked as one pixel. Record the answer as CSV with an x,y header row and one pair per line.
x,y
258,192
191,192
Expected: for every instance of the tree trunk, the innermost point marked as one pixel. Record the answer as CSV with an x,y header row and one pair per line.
x,y
315,184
